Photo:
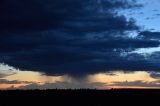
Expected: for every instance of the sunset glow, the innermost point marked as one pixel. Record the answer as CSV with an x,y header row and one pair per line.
x,y
106,80
79,44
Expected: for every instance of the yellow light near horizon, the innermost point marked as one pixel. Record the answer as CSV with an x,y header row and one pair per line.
x,y
36,77
106,80
7,86
120,77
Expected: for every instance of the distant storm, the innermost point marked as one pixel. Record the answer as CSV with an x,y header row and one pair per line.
x,y
79,44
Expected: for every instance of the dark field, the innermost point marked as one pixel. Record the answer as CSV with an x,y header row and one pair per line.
x,y
83,96
81,93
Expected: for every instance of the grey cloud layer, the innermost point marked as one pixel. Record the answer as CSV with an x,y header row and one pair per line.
x,y
138,84
4,81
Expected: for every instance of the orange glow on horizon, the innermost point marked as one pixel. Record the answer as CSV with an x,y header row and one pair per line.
x,y
120,77
37,77
11,86
105,80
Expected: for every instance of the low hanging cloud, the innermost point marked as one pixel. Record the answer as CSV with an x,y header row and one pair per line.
x,y
155,75
4,81
71,37
138,84
64,85
6,70
150,35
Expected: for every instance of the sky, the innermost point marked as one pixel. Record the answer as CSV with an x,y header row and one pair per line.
x,y
102,44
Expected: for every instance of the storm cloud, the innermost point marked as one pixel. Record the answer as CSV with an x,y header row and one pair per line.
x,y
74,37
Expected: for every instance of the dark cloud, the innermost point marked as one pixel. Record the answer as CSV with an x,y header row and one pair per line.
x,y
70,36
20,15
150,35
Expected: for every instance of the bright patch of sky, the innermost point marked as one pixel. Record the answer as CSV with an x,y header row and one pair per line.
x,y
142,51
148,17
146,51
6,70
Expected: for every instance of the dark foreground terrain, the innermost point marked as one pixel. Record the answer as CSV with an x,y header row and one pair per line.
x,y
84,96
